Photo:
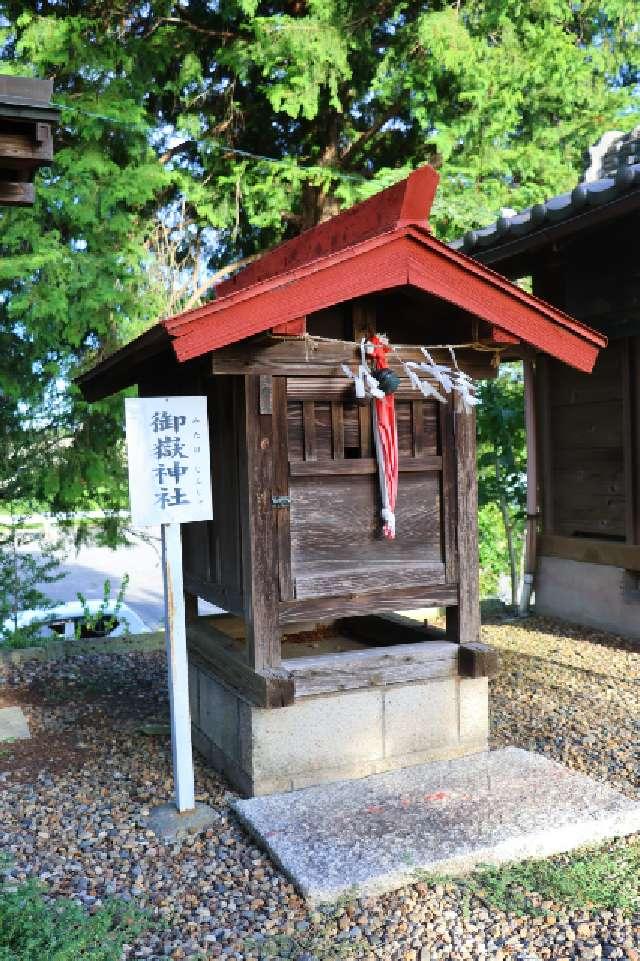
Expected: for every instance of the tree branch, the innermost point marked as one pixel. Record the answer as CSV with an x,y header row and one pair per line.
x,y
219,275
366,135
176,149
189,25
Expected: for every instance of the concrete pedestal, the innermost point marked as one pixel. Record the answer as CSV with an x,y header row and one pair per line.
x,y
596,595
332,737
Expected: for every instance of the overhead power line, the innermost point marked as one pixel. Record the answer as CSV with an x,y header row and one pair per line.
x,y
218,145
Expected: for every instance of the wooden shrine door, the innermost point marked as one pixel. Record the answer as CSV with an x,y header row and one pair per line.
x,y
337,547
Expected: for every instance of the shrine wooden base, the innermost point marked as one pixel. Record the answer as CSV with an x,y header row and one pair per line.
x,y
358,708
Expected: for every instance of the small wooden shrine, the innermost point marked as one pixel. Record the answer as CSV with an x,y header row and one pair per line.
x,y
296,553
579,249
27,118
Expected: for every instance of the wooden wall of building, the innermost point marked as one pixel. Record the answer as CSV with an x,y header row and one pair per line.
x,y
583,459
590,423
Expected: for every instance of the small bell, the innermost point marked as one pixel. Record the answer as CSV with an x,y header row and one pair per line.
x,y
387,380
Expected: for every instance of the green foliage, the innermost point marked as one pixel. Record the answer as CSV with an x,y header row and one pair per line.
x,y
236,124
603,877
502,465
100,623
33,928
493,550
27,560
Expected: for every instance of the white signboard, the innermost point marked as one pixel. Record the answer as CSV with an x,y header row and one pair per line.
x,y
169,468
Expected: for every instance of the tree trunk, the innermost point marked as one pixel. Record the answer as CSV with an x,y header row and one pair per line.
x,y
319,204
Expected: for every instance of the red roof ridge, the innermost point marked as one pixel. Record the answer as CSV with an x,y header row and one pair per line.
x,y
407,202
175,325
379,245
281,279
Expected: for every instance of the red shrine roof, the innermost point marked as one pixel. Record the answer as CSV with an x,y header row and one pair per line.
x,y
380,244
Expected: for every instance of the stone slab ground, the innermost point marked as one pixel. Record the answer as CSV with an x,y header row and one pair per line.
x,y
13,724
371,836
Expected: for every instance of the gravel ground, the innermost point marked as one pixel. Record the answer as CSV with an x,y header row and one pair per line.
x,y
72,800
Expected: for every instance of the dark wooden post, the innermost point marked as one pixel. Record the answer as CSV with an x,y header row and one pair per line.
x,y
463,621
281,486
631,436
259,551
190,607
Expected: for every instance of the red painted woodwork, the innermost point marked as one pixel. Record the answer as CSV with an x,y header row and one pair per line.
x,y
291,328
380,244
499,336
407,202
405,256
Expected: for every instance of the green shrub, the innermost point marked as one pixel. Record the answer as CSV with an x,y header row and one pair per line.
x,y
492,545
33,928
600,877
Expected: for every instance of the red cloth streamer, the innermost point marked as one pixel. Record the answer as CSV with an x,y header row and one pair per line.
x,y
386,438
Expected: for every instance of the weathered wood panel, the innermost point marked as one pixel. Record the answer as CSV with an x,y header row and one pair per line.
x,y
362,465
281,486
295,431
590,551
336,536
224,529
351,430
377,667
196,558
477,660
337,430
404,427
258,531
449,507
265,687
335,388
585,426
463,622
347,605
314,357
23,150
226,598
351,576
16,194
336,513
584,484
324,444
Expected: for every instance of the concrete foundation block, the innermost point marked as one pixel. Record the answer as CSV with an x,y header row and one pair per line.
x,y
339,736
420,717
219,715
336,731
474,709
591,594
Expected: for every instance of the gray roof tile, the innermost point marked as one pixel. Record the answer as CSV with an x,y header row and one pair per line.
x,y
592,193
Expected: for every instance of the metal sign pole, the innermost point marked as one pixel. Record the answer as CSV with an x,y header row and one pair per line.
x,y
178,674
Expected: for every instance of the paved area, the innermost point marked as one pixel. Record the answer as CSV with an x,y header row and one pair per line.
x,y
13,724
87,570
376,834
